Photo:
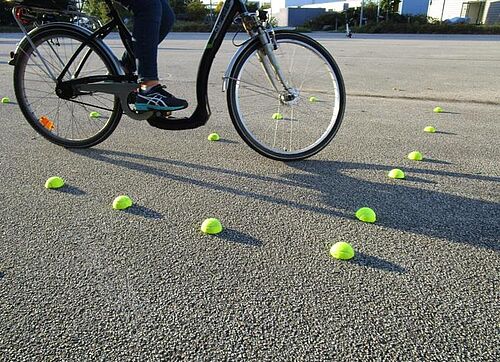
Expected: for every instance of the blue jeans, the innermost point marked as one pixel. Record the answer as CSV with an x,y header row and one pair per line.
x,y
153,20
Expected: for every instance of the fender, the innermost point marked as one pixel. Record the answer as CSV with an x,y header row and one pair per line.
x,y
24,42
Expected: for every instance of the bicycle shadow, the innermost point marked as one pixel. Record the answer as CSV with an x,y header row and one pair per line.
x,y
144,212
238,237
71,190
365,260
400,205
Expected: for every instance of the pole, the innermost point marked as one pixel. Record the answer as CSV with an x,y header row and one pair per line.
x,y
442,11
378,10
211,14
361,14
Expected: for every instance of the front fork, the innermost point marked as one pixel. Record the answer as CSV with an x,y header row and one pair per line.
x,y
267,58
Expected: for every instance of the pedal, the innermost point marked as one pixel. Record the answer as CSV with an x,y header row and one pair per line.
x,y
164,114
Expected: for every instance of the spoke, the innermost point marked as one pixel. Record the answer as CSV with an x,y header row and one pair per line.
x,y
41,77
305,70
315,91
261,111
58,58
291,128
252,84
58,117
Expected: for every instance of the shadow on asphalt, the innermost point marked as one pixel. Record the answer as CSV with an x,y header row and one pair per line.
x,y
236,236
402,206
72,190
374,262
145,212
431,160
399,205
447,133
222,140
416,179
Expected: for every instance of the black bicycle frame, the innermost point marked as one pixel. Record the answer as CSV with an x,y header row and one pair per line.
x,y
202,112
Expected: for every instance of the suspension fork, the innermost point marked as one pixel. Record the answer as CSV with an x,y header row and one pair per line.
x,y
266,56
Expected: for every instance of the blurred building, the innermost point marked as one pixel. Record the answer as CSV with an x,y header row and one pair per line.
x,y
477,11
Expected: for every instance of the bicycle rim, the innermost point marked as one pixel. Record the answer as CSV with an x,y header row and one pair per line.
x,y
66,122
294,129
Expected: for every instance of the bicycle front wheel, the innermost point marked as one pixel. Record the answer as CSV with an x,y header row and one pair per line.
x,y
79,122
284,129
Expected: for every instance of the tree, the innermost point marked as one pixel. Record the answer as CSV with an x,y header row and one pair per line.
x,y
389,6
252,6
178,6
219,6
97,8
196,10
5,14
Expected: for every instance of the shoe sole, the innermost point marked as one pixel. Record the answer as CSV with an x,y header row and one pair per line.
x,y
147,107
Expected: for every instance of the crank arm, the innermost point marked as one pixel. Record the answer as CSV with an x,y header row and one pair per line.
x,y
120,90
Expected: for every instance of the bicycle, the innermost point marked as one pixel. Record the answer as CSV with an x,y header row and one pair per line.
x,y
285,93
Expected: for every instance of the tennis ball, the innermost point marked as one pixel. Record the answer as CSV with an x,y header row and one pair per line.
x,y
313,99
122,202
366,214
438,110
277,116
211,226
396,173
430,129
213,137
342,251
94,114
415,156
5,100
54,182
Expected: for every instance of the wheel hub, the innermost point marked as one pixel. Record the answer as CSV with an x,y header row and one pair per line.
x,y
290,96
64,90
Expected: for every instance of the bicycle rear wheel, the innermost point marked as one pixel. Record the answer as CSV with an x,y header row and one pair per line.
x,y
74,123
277,128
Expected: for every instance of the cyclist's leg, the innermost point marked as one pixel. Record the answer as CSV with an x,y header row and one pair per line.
x,y
152,22
166,25
167,20
147,21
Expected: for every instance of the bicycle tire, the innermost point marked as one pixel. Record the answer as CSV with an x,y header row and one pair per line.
x,y
23,53
236,118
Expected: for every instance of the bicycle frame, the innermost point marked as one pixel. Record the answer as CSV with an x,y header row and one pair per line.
x,y
123,85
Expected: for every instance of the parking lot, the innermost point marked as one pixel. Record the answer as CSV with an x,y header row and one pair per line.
x,y
81,281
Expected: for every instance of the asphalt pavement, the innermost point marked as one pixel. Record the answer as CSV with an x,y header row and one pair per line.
x,y
80,281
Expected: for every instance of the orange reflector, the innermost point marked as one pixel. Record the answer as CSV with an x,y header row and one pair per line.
x,y
47,123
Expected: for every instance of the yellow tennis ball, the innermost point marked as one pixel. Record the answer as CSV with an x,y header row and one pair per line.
x,y
211,226
54,182
122,202
366,214
94,114
438,110
430,129
5,100
396,173
415,156
213,137
342,251
277,116
313,99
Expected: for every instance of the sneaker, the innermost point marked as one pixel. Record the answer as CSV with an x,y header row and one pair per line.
x,y
158,99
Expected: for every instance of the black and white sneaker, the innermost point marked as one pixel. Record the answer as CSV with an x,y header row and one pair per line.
x,y
158,99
